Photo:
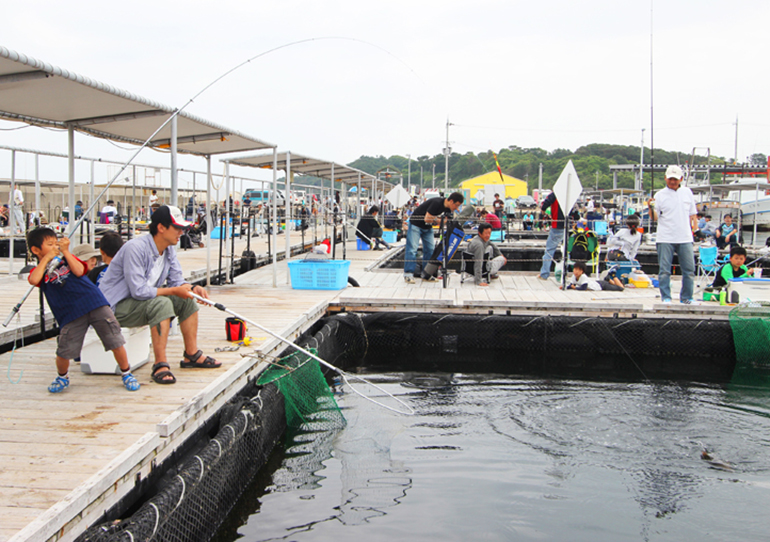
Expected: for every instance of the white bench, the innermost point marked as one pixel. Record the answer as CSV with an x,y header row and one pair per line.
x,y
94,360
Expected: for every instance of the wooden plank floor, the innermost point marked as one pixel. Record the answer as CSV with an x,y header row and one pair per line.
x,y
64,458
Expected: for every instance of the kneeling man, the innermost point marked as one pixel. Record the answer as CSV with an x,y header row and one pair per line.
x,y
485,253
144,285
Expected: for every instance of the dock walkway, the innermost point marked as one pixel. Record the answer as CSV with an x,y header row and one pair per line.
x,y
66,458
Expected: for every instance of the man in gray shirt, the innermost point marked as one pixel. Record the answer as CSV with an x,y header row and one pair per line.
x,y
485,253
144,285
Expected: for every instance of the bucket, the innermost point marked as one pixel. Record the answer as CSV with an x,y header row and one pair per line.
x,y
235,329
362,245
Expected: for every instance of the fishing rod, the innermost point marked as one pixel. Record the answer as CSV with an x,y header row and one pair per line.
x,y
175,113
343,374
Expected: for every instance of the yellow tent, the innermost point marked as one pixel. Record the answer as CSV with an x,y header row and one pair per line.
x,y
513,187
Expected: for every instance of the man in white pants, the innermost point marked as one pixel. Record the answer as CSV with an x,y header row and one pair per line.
x,y
480,246
18,202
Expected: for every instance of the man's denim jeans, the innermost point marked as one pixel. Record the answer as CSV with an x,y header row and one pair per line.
x,y
554,238
413,236
686,262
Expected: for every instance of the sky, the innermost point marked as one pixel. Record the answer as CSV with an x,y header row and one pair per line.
x,y
349,78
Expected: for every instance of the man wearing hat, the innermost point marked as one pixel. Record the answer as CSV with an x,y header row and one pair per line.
x,y
144,285
674,209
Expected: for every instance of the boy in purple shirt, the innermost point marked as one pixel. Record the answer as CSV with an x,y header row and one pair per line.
x,y
76,303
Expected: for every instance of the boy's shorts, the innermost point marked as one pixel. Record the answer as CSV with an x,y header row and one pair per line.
x,y
132,312
104,323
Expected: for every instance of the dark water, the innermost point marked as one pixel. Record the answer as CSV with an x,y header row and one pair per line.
x,y
496,458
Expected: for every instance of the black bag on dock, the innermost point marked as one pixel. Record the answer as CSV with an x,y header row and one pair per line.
x,y
248,261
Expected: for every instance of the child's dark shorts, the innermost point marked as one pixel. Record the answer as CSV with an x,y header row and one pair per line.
x,y
105,324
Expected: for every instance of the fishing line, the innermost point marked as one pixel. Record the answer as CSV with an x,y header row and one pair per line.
x,y
345,375
175,113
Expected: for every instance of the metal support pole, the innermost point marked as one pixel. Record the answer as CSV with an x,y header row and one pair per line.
x,y
37,189
174,172
12,213
274,220
344,220
209,224
226,229
359,206
71,177
92,220
289,179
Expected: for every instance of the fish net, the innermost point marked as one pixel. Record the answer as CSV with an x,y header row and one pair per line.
x,y
308,399
750,323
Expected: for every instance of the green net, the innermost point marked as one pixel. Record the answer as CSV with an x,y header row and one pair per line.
x,y
309,401
750,323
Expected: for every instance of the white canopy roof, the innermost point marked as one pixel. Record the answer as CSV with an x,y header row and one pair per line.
x,y
37,93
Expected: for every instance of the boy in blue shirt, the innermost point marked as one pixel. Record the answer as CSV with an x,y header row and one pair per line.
x,y
76,303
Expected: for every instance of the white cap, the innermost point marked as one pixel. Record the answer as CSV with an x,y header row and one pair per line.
x,y
674,172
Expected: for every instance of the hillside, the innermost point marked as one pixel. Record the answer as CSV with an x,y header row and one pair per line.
x,y
523,163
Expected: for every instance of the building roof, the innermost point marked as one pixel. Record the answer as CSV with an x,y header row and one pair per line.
x,y
492,177
37,93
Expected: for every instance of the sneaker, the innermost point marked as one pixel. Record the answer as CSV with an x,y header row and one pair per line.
x,y
409,279
690,302
541,277
667,301
58,385
429,278
494,277
130,382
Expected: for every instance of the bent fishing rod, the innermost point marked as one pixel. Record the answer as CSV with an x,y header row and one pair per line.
x,y
343,374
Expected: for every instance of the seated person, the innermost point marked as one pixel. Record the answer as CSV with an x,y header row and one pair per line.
x,y
109,245
733,269
623,245
145,285
467,217
727,233
528,220
485,253
581,281
706,229
490,219
369,229
109,211
87,254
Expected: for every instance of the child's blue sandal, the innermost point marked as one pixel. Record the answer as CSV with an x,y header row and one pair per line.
x,y
58,385
130,382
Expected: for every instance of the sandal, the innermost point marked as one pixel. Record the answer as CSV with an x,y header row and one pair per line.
x,y
130,382
60,384
191,362
166,377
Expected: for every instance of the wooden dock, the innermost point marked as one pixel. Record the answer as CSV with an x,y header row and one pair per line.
x,y
66,458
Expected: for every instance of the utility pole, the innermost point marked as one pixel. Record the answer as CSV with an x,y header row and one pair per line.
x,y
422,179
540,179
409,170
597,179
640,184
736,140
433,179
447,150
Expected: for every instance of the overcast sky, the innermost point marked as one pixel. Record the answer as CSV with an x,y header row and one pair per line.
x,y
383,77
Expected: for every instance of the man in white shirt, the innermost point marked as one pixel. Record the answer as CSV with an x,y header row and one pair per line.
x,y
674,209
18,202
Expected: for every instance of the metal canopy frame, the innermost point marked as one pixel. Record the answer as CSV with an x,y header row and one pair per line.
x,y
40,94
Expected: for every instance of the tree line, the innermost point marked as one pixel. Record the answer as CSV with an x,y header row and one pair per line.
x,y
592,163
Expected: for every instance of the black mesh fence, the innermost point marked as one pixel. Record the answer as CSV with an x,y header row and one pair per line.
x,y
193,499
559,346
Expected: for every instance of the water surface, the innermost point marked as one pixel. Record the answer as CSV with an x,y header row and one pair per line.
x,y
497,458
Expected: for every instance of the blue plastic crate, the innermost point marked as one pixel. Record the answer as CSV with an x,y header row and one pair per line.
x,y
319,274
497,235
390,236
361,244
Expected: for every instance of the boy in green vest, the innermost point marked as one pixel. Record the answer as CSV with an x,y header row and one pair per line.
x,y
734,269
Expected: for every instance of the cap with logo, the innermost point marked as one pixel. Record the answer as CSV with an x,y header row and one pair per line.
x,y
168,215
674,172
